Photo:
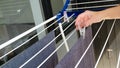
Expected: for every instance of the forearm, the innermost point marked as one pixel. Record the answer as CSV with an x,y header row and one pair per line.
x,y
111,13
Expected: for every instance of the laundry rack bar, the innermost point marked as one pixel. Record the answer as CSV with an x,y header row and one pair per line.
x,y
118,63
58,46
64,38
26,33
41,49
31,38
105,44
62,32
91,7
79,61
90,2
77,10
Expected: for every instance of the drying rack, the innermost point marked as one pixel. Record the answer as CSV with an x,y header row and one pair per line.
x,y
71,12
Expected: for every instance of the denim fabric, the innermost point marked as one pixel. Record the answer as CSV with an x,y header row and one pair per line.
x,y
28,53
72,57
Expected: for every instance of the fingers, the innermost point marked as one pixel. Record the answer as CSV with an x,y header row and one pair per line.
x,y
86,19
81,21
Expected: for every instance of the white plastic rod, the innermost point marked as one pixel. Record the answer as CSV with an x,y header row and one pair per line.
x,y
91,2
51,54
63,36
105,44
82,31
118,63
69,9
39,51
56,49
69,25
42,48
79,61
31,38
25,33
35,36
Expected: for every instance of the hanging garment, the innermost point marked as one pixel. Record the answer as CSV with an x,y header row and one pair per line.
x,y
72,57
21,58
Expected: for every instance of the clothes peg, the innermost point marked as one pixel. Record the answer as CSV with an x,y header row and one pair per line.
x,y
66,16
82,31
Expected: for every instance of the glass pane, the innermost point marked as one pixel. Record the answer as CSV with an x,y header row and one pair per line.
x,y
15,18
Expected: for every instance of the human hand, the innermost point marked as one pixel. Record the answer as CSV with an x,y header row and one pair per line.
x,y
87,18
